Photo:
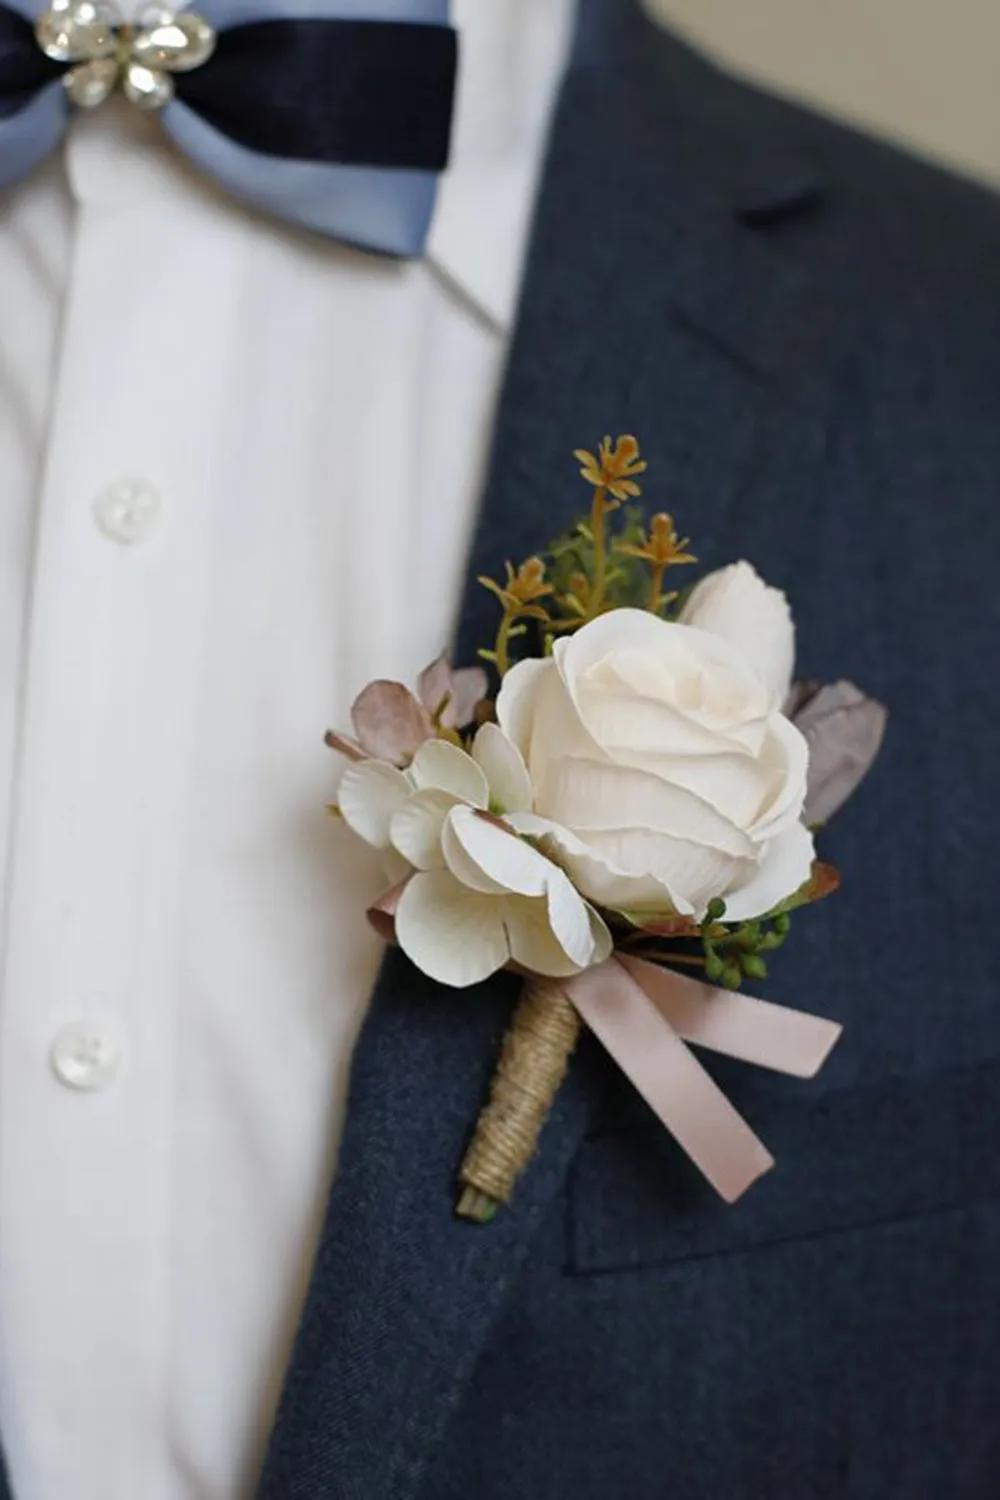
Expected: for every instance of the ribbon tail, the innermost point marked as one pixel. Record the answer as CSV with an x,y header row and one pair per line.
x,y
736,1025
669,1077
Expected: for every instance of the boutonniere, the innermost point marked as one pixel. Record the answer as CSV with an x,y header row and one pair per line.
x,y
630,825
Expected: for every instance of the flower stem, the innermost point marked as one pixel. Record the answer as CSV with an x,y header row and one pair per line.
x,y
503,642
532,1064
667,956
598,518
477,1206
656,588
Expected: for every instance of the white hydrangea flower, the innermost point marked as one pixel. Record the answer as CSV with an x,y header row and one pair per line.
x,y
478,896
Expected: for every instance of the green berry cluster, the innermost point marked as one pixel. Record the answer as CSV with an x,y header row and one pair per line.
x,y
733,954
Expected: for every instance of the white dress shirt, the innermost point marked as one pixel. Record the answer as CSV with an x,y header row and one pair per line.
x,y
240,467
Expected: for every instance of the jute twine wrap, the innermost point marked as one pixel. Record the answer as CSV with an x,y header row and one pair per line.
x,y
533,1062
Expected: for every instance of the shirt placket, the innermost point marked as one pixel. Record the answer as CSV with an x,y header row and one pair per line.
x,y
91,965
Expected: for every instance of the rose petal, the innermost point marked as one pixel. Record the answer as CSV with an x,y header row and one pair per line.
x,y
369,795
515,704
555,727
629,724
589,795
784,867
651,655
738,606
389,722
416,829
452,934
503,766
742,788
786,755
695,675
444,767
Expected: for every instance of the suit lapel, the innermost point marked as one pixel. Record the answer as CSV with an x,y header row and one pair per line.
x,y
659,299
650,304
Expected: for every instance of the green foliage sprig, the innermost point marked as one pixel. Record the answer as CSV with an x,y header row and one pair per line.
x,y
596,566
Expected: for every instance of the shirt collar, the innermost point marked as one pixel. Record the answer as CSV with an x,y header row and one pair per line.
x,y
512,57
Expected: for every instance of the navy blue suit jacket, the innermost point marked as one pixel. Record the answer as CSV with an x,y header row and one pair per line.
x,y
803,327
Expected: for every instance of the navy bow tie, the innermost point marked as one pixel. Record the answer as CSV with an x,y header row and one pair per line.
x,y
337,117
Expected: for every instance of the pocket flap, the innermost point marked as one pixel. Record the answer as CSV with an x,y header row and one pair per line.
x,y
845,1160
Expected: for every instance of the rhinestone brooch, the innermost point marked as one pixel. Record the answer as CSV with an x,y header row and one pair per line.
x,y
106,53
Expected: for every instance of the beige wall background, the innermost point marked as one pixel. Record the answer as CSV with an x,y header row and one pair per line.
x,y
920,71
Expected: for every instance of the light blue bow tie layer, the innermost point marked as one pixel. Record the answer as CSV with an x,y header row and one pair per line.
x,y
382,208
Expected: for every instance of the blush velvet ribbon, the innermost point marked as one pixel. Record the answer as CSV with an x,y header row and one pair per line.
x,y
336,117
645,1016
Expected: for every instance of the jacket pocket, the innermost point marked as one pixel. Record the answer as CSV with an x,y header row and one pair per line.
x,y
846,1160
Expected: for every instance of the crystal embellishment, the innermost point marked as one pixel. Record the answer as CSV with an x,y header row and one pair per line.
x,y
107,54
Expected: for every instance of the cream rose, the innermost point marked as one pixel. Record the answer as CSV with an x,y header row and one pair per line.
x,y
662,770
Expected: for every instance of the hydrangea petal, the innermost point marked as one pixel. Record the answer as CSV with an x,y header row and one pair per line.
x,y
500,855
678,865
415,830
533,944
600,935
503,766
452,934
370,794
570,919
463,866
600,880
441,766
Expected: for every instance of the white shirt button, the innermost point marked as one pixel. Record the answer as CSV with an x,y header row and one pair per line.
x,y
85,1055
128,510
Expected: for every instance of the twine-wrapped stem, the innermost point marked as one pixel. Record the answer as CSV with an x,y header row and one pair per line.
x,y
533,1062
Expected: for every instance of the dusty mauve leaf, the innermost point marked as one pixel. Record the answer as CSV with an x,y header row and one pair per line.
x,y
799,694
390,723
382,913
824,880
343,745
665,927
469,687
844,730
434,684
462,689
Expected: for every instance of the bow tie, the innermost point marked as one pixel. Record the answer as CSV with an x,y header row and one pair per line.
x,y
336,118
